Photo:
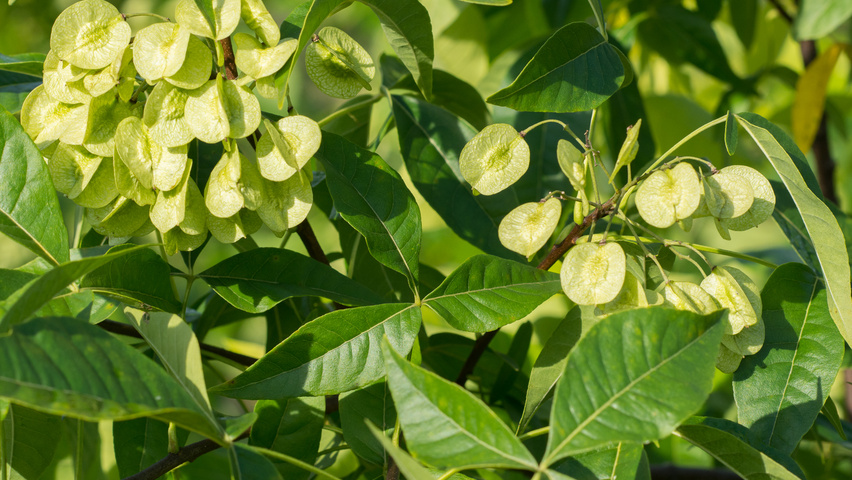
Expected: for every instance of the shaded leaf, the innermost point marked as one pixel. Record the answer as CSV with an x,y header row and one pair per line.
x,y
138,444
292,427
453,94
345,343
257,280
407,465
26,63
371,404
487,292
620,461
612,394
818,18
29,444
251,465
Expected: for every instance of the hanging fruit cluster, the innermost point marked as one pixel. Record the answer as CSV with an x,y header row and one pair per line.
x,y
118,116
606,274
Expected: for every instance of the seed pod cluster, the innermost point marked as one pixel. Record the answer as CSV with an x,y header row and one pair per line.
x,y
118,112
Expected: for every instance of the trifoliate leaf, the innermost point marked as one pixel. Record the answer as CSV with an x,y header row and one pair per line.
x,y
629,149
690,296
120,218
234,228
214,19
725,289
529,226
572,162
89,34
764,199
64,82
46,120
164,116
105,113
169,209
494,159
159,50
593,274
72,168
130,186
196,66
287,146
749,341
258,61
669,195
286,204
727,195
254,13
220,110
338,65
726,360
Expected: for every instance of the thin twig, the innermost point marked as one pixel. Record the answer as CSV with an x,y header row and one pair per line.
x,y
309,238
230,63
128,331
174,460
781,11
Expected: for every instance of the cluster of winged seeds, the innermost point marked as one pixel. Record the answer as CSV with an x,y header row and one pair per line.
x,y
118,116
607,276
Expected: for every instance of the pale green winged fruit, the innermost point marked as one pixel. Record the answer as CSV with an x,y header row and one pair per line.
x,y
257,61
101,189
220,109
130,186
159,50
727,195
121,218
192,230
764,199
287,146
593,274
286,204
120,74
572,162
169,209
46,120
153,165
164,116
214,19
632,295
527,228
494,159
690,296
726,360
72,168
234,228
89,34
257,17
723,286
629,149
234,183
63,82
337,64
669,195
196,67
105,114
748,342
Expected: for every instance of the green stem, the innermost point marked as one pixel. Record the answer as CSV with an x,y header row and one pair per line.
x,y
708,249
600,19
685,139
3,473
349,109
78,226
527,130
450,473
332,428
145,14
166,259
294,461
189,281
337,448
534,433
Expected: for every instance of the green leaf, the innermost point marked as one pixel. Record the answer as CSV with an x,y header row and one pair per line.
x,y
492,3
174,343
787,216
257,280
407,465
293,427
829,410
818,18
431,140
548,367
575,70
731,132
67,367
729,443
453,94
84,441
744,20
247,464
372,197
85,306
29,209
142,276
510,370
14,89
138,444
445,425
619,461
26,63
486,292
408,29
818,219
781,390
683,36
337,352
40,290
614,394
371,404
30,442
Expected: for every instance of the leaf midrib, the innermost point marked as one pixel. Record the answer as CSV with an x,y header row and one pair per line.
x,y
488,289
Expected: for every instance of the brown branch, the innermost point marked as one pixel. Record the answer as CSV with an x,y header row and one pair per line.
x,y
673,472
822,154
128,331
173,460
481,344
847,376
230,63
309,238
